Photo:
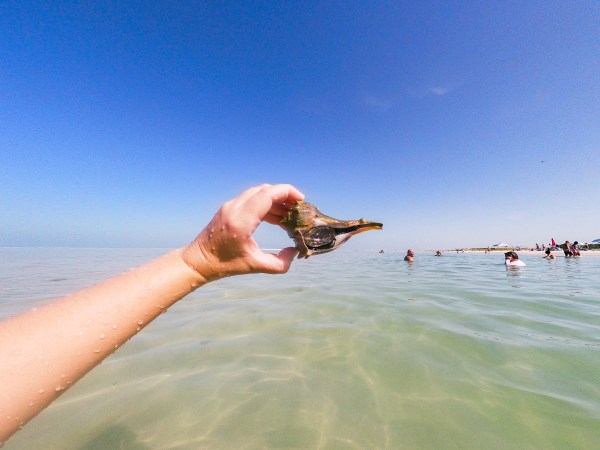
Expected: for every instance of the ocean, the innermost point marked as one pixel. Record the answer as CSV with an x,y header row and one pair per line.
x,y
349,350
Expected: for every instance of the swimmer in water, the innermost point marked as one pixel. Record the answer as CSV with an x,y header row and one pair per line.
x,y
512,259
549,254
410,253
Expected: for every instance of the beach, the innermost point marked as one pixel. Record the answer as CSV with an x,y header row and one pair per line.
x,y
347,350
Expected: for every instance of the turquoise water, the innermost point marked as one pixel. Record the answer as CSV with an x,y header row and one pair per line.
x,y
348,350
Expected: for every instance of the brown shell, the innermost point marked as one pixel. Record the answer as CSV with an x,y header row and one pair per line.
x,y
315,233
301,215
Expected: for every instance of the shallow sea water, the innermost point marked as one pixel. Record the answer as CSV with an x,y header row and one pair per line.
x,y
346,351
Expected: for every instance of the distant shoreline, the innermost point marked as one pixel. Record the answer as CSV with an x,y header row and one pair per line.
x,y
557,253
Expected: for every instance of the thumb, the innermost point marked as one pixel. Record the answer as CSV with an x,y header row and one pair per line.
x,y
270,263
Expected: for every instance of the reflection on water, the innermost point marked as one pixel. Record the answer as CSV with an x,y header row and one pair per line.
x,y
513,274
348,350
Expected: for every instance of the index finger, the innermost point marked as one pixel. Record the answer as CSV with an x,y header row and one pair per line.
x,y
271,198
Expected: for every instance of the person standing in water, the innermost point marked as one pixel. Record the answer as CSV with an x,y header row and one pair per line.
x,y
410,253
511,259
567,249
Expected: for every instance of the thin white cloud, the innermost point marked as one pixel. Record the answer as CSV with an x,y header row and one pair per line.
x,y
439,90
375,103
444,89
436,90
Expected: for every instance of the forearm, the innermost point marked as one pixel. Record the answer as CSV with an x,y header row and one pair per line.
x,y
44,351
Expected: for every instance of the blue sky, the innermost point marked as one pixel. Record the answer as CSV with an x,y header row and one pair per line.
x,y
129,123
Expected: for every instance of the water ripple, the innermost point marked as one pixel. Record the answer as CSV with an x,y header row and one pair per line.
x,y
348,350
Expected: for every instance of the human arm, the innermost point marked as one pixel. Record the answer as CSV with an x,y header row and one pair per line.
x,y
44,351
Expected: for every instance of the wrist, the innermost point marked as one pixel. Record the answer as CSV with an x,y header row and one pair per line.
x,y
192,277
199,264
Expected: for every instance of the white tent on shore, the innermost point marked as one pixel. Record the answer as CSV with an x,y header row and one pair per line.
x,y
502,245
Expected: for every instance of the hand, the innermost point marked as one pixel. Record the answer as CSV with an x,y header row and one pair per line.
x,y
226,246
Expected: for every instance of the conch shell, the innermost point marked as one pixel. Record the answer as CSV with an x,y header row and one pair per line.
x,y
315,233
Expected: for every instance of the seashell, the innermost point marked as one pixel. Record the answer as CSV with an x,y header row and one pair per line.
x,y
315,233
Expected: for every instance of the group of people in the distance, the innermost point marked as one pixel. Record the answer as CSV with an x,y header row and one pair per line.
x,y
569,249
512,259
